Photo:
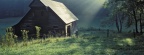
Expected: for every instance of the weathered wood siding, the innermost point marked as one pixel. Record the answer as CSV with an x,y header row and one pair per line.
x,y
46,18
27,23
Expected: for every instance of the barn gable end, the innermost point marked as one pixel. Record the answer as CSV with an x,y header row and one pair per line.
x,y
36,3
54,21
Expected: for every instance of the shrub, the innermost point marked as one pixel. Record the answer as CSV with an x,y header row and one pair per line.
x,y
38,31
10,38
25,35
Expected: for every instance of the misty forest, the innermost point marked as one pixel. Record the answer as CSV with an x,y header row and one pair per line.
x,y
71,27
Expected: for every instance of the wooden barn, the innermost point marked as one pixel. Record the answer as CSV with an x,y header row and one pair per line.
x,y
52,16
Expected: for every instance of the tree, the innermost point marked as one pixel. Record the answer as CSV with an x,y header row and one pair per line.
x,y
117,14
131,9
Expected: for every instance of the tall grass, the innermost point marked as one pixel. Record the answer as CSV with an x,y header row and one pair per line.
x,y
87,43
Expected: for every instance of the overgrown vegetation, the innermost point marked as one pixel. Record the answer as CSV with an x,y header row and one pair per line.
x,y
87,43
38,31
9,39
25,36
91,41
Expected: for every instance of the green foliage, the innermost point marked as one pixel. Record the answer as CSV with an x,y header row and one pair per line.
x,y
25,37
127,11
9,39
93,44
38,31
25,34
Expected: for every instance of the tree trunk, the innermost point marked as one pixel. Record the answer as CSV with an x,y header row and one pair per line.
x,y
136,21
141,29
141,23
117,24
120,21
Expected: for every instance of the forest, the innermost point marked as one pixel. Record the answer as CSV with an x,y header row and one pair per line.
x,y
106,27
126,14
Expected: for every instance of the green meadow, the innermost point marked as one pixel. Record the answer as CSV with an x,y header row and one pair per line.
x,y
87,43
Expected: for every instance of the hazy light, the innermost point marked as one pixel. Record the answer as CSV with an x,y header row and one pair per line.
x,y
85,10
91,9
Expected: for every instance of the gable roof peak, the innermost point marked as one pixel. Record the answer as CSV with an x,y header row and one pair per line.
x,y
61,10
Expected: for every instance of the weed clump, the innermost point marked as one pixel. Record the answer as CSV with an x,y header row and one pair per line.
x,y
25,34
38,31
25,37
10,38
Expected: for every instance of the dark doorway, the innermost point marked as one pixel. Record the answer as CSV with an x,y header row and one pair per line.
x,y
69,31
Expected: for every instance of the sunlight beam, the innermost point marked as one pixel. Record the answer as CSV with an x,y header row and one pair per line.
x,y
91,9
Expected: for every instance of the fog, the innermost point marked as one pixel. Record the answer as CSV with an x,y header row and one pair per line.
x,y
89,12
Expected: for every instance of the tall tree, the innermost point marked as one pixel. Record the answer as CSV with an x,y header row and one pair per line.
x,y
131,9
117,14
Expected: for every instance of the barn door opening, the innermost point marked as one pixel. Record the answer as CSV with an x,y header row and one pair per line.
x,y
69,30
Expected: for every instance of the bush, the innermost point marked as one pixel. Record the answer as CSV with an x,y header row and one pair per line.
x,y
38,31
25,35
10,38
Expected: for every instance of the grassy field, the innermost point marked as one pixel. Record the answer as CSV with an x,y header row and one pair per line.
x,y
87,43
